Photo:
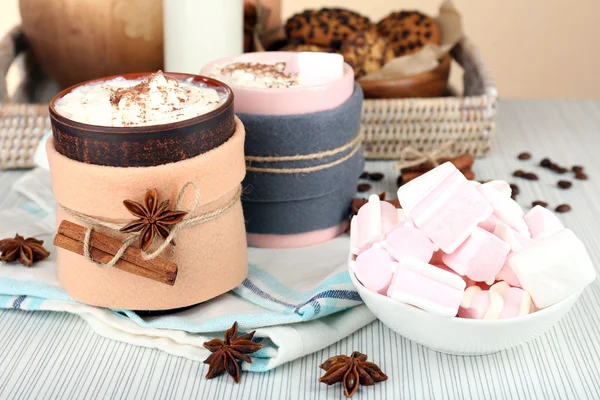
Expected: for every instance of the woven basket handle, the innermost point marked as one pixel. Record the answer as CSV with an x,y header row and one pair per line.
x,y
11,45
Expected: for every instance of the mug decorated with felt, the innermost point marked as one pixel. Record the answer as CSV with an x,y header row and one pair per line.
x,y
146,172
301,112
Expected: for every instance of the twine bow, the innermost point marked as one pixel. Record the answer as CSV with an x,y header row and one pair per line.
x,y
411,157
188,221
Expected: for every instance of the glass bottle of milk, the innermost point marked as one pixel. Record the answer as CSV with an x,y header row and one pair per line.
x,y
198,32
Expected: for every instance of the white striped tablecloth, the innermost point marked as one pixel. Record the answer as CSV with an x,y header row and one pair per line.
x,y
57,356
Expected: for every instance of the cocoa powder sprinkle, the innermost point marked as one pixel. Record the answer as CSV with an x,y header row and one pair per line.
x,y
275,71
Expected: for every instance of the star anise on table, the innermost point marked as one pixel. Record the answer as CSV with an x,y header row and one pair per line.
x,y
153,218
226,353
351,371
26,251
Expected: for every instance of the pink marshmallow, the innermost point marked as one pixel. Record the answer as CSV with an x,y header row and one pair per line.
x,y
499,302
506,209
553,268
444,206
408,241
480,304
401,215
480,257
373,221
507,275
542,222
500,186
427,287
468,282
515,240
374,269
517,302
491,223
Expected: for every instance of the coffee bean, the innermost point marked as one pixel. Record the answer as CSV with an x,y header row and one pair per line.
x,y
376,176
565,184
524,156
514,189
518,173
561,170
539,203
364,175
530,176
363,187
563,208
399,181
582,176
545,163
577,168
513,196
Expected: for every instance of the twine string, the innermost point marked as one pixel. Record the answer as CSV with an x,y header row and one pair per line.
x,y
411,157
353,144
188,221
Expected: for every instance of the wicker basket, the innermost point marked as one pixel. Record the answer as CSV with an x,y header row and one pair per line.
x,y
22,125
388,126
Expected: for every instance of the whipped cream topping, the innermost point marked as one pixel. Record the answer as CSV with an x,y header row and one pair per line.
x,y
157,99
255,74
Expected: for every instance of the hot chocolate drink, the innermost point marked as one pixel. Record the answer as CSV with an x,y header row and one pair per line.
x,y
254,74
157,99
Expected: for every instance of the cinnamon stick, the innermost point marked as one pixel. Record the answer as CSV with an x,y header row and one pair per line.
x,y
71,236
469,174
461,162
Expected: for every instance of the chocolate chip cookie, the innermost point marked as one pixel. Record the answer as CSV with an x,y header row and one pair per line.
x,y
409,31
327,27
366,52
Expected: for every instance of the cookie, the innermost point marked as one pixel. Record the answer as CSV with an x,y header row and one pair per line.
x,y
308,47
366,52
409,31
327,27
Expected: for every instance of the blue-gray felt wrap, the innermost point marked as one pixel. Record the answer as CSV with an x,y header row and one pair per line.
x,y
276,203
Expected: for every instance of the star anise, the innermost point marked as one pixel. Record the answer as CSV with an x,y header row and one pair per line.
x,y
351,371
26,251
226,353
154,218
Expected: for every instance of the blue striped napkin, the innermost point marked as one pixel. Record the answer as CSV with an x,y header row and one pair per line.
x,y
298,300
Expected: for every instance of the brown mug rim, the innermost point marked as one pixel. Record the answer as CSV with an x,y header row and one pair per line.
x,y
211,83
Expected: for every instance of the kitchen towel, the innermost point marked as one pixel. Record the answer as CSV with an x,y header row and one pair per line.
x,y
298,300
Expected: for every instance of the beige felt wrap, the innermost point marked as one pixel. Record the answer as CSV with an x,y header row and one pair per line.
x,y
211,257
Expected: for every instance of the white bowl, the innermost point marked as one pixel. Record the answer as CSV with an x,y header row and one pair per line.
x,y
461,336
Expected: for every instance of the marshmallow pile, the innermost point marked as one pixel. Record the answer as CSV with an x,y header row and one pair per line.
x,y
461,248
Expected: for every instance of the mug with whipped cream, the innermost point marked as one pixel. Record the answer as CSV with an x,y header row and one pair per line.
x,y
303,150
146,172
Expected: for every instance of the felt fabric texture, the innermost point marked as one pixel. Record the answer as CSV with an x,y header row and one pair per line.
x,y
306,214
289,135
284,204
211,257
